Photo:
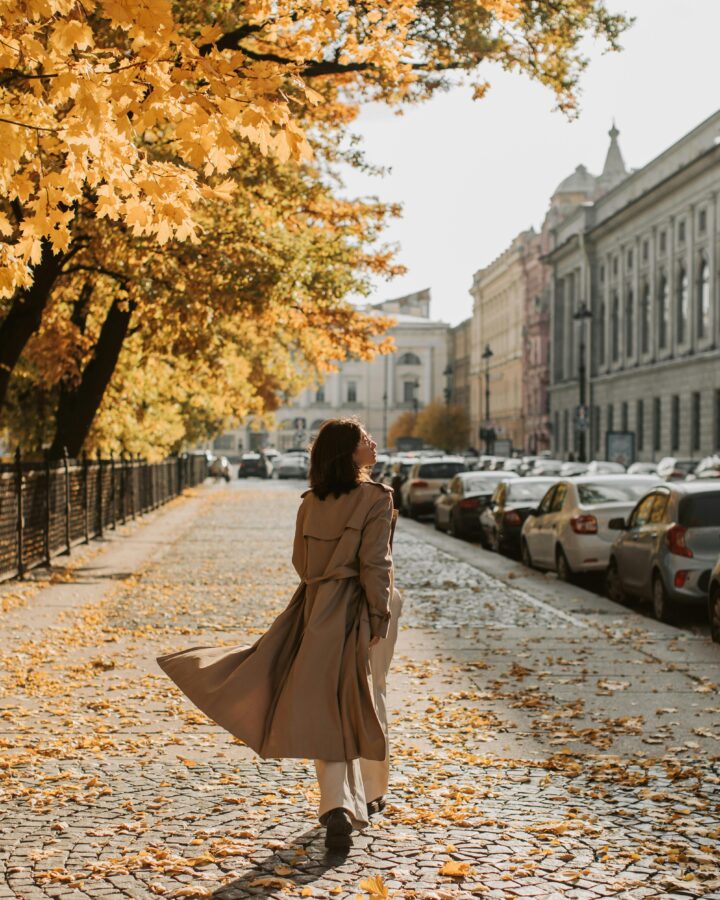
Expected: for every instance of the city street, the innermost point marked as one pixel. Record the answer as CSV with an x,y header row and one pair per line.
x,y
545,742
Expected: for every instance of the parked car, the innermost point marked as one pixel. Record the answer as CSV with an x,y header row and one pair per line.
x,y
512,464
254,465
568,532
292,465
603,467
527,463
379,466
642,468
457,505
707,468
667,547
501,520
714,602
220,467
423,483
546,466
570,469
672,468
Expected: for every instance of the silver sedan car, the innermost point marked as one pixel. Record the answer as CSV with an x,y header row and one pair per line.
x,y
569,533
667,547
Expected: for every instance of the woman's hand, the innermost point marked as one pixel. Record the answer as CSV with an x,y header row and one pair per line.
x,y
374,640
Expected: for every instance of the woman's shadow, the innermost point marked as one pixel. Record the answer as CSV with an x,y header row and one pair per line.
x,y
315,861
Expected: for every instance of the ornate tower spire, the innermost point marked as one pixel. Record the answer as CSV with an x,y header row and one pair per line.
x,y
614,170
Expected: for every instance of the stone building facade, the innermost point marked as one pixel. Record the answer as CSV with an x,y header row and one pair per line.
x,y
459,338
375,391
643,259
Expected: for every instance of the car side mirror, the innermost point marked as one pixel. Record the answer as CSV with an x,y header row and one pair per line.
x,y
617,524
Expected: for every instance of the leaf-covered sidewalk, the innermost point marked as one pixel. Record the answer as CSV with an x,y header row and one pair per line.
x,y
536,753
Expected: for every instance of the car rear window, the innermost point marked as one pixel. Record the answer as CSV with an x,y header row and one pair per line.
x,y
523,490
441,469
594,493
700,510
481,484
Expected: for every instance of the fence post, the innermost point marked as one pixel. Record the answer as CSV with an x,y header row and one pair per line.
x,y
66,466
112,490
86,512
134,474
20,512
123,485
99,493
48,495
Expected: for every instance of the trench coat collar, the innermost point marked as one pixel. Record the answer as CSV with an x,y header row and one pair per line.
x,y
327,520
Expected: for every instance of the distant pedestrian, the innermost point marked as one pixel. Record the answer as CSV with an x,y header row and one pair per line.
x,y
313,686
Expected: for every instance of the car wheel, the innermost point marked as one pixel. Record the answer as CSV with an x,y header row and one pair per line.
x,y
525,554
436,522
562,566
413,512
494,543
613,584
663,607
454,527
714,614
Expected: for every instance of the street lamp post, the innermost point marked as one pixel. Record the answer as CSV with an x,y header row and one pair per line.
x,y
489,432
582,419
415,403
448,372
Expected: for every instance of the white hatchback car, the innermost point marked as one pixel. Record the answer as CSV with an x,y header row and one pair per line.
x,y
569,533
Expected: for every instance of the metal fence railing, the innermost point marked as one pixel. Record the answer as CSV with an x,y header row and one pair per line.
x,y
48,507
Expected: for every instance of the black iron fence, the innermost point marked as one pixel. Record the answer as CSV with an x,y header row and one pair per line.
x,y
48,507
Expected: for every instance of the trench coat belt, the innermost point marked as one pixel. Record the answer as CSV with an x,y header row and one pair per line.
x,y
333,575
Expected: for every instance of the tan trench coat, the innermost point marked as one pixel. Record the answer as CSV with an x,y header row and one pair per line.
x,y
304,689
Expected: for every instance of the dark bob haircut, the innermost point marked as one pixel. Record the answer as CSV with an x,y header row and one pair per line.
x,y
332,468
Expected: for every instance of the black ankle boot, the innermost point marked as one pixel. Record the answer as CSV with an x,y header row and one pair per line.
x,y
339,829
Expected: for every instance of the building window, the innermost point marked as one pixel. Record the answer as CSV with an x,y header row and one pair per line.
x,y
646,251
702,221
681,231
629,322
629,260
409,359
663,241
596,424
640,424
615,326
657,422
408,391
615,266
352,392
600,324
682,300
320,394
695,422
645,319
624,416
556,432
703,299
675,422
602,274
663,311
566,430
610,424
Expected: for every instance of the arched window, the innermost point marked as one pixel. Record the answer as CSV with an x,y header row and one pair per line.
x,y
682,300
600,326
629,322
645,319
703,299
320,394
615,326
663,316
409,359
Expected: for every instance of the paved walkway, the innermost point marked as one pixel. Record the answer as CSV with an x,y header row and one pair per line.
x,y
546,743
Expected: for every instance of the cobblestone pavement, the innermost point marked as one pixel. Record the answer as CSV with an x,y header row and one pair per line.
x,y
543,746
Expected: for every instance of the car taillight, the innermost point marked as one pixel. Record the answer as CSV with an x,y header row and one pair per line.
x,y
418,483
512,518
469,503
675,539
584,524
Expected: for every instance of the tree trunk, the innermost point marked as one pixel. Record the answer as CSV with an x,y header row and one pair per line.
x,y
78,405
26,312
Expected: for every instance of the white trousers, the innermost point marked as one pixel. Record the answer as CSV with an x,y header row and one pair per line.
x,y
353,784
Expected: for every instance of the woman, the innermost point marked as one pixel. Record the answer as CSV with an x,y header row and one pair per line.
x,y
313,686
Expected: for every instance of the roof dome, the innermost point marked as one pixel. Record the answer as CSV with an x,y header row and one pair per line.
x,y
580,182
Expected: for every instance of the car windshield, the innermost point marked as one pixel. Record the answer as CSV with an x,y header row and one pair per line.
x,y
596,492
441,469
526,490
700,510
479,484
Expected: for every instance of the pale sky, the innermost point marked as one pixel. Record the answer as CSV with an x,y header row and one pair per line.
x,y
471,174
